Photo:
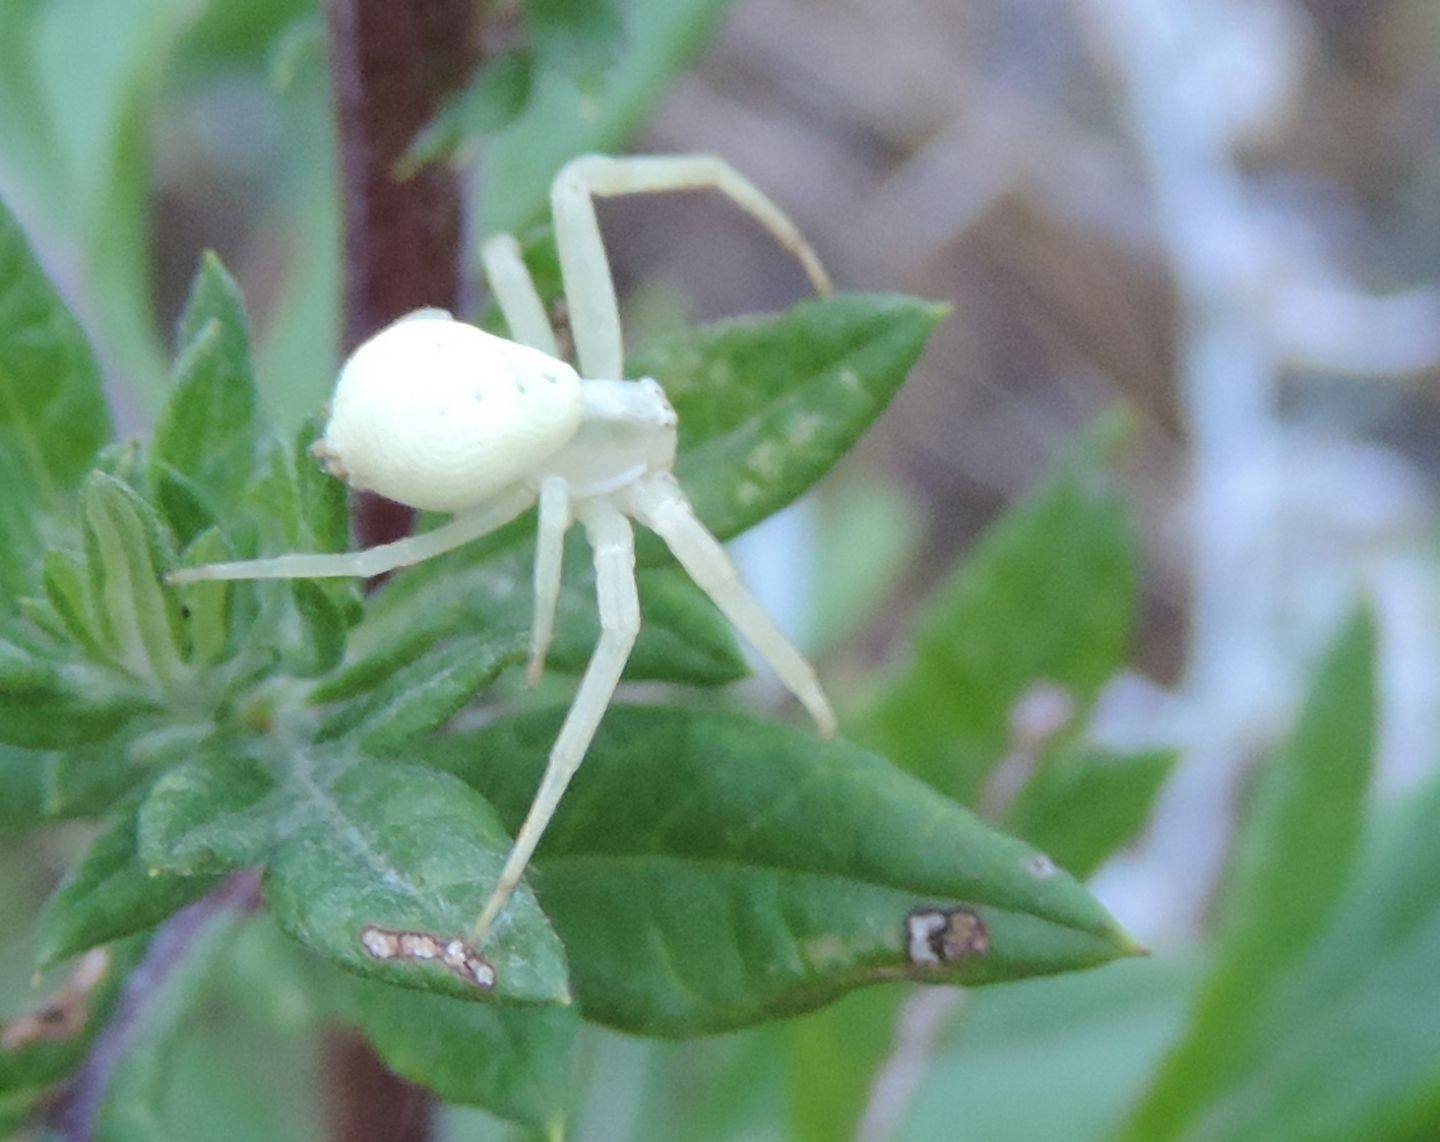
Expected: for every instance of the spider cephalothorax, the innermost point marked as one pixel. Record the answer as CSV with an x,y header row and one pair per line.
x,y
440,415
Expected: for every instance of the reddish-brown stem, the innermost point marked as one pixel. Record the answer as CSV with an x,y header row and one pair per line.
x,y
392,64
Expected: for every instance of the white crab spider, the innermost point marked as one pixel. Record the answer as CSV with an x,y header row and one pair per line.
x,y
439,415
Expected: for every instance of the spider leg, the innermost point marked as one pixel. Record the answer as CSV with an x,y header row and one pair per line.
x,y
613,542
374,560
661,506
516,294
589,286
553,521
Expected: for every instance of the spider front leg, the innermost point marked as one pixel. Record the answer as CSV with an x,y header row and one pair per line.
x,y
613,543
589,285
374,560
661,506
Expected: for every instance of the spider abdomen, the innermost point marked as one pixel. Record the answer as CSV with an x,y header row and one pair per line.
x,y
440,415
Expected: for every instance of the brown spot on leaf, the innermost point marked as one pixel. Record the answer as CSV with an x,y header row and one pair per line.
x,y
65,1016
423,947
937,937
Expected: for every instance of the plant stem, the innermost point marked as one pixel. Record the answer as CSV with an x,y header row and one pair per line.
x,y
392,63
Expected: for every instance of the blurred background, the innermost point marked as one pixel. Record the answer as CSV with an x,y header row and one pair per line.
x,y
1218,213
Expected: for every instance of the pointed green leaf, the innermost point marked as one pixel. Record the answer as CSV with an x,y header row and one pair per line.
x,y
128,554
68,590
425,694
112,893
565,118
767,405
52,411
1346,1045
1086,804
396,848
1292,865
53,417
516,1062
44,706
295,506
707,871
1047,596
208,432
206,605
322,502
492,100
217,813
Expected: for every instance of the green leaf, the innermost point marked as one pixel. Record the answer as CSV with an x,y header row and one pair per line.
x,y
294,506
112,893
53,417
580,38
425,694
491,100
516,1062
565,118
1047,596
708,871
1346,1046
1085,804
217,813
128,553
767,405
399,848
83,164
22,776
44,706
52,410
683,637
68,590
208,432
1293,863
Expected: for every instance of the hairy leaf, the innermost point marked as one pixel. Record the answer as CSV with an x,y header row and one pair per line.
x,y
1047,596
1292,865
708,871
112,893
398,848
216,813
683,638
127,554
425,694
208,431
